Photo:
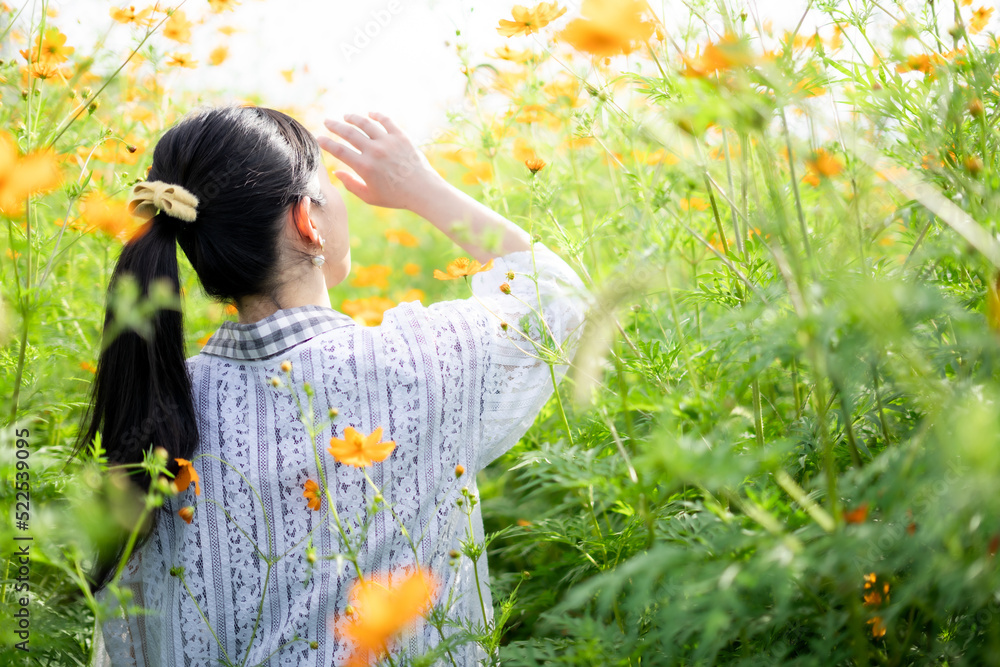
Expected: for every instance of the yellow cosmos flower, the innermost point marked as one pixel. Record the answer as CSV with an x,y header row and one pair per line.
x,y
177,27
609,27
527,21
52,47
311,494
461,267
182,60
218,56
512,55
979,19
356,449
130,16
219,6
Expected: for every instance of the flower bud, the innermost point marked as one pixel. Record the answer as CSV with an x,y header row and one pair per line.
x,y
976,108
275,381
306,387
311,555
505,288
286,366
313,645
459,470
454,554
161,453
334,412
510,275
350,611
378,499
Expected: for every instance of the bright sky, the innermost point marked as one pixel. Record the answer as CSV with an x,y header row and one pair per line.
x,y
394,56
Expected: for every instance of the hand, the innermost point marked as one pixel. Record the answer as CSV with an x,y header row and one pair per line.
x,y
396,174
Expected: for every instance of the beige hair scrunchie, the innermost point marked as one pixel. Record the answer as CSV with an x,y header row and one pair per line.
x,y
150,197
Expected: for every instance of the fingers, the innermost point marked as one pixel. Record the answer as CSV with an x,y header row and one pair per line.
x,y
387,123
356,137
354,185
340,151
371,128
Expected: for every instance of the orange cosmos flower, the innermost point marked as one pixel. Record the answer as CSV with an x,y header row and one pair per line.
x,y
311,494
186,513
878,626
375,275
527,21
857,515
823,164
413,294
728,52
534,165
461,267
979,19
185,475
369,311
378,611
402,237
609,27
360,450
21,176
110,216
42,70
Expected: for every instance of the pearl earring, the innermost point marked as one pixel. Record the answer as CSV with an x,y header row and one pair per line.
x,y
318,260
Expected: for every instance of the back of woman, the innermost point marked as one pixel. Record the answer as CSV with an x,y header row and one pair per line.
x,y
321,452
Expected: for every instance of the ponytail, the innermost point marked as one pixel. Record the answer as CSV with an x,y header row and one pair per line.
x,y
141,396
245,167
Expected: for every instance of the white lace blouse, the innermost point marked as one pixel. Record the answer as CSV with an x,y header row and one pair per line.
x,y
446,382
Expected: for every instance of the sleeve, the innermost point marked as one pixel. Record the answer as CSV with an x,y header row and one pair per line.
x,y
536,305
486,358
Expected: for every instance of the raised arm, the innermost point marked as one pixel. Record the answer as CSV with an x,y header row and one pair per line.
x,y
397,175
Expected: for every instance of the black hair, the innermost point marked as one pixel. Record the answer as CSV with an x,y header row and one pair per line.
x,y
247,166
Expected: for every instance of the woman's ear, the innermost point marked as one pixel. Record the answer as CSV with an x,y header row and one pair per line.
x,y
303,222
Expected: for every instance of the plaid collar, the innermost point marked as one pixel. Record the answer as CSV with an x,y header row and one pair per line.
x,y
273,334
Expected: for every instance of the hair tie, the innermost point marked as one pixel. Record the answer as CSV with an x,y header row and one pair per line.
x,y
150,197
